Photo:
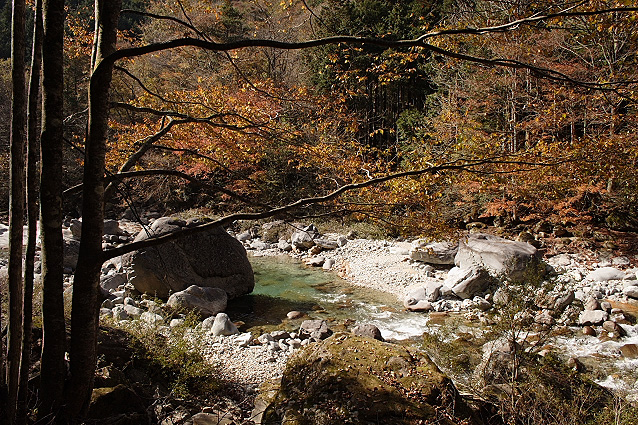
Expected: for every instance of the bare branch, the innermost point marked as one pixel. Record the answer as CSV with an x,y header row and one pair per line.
x,y
380,42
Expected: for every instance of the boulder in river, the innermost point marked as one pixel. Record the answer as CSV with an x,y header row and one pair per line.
x,y
210,258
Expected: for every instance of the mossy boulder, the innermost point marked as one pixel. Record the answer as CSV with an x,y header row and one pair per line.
x,y
348,379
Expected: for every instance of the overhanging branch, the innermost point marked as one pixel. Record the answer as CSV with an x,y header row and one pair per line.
x,y
452,166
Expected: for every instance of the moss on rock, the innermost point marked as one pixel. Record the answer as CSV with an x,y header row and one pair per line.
x,y
357,380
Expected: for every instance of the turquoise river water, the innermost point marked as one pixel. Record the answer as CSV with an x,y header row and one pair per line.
x,y
283,284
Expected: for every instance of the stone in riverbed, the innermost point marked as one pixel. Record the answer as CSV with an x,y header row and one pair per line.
x,y
292,315
223,326
317,329
466,283
113,281
604,274
435,253
315,261
629,351
631,291
203,300
614,328
592,317
302,240
368,330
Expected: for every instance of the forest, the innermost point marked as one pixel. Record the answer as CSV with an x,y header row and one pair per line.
x,y
420,115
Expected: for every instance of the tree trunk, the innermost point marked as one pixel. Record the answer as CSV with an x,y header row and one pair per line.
x,y
33,175
16,205
84,316
53,339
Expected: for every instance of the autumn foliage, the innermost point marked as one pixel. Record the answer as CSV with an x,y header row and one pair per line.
x,y
265,127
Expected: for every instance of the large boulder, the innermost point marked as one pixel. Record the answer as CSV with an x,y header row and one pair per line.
x,y
501,257
358,380
204,301
211,258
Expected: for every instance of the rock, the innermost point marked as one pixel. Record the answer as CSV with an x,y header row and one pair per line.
x,y
629,351
466,283
279,335
202,300
105,312
258,245
245,236
315,250
207,323
500,257
302,240
544,318
328,264
76,228
317,329
588,330
435,253
276,230
284,245
217,418
71,248
398,250
592,317
112,227
244,339
119,313
223,326
368,330
326,244
265,339
561,303
133,311
152,318
293,315
315,261
592,304
615,328
482,304
631,291
211,258
621,261
340,380
112,401
604,274
113,281
417,300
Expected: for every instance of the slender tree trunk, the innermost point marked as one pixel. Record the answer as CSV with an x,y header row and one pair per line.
x,y
33,176
84,316
53,340
16,205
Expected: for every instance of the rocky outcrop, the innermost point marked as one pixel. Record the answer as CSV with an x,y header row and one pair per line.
x,y
211,258
352,379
